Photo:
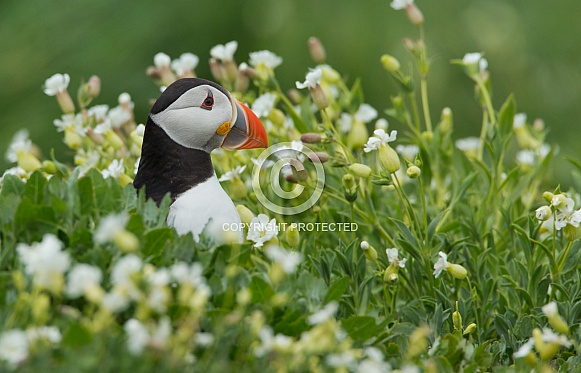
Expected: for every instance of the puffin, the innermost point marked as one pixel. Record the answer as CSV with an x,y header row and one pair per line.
x,y
191,118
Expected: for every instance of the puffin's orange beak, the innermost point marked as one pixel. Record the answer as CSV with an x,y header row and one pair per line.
x,y
247,132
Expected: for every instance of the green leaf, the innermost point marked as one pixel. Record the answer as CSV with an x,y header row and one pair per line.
x,y
155,241
523,328
261,290
12,185
76,335
360,327
34,188
506,116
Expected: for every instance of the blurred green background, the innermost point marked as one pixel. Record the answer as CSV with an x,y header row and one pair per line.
x,y
532,47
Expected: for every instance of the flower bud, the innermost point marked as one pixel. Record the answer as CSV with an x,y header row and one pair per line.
x,y
153,73
413,172
318,157
19,280
358,135
49,167
317,50
390,63
457,319
124,180
388,158
65,102
348,181
276,116
242,82
246,215
291,178
559,201
360,170
216,69
457,271
238,189
538,125
369,251
559,324
294,95
414,14
319,97
548,196
409,45
292,235
311,138
114,140
94,86
446,121
231,70
40,308
72,138
469,329
390,275
298,169
546,350
126,241
543,213
28,162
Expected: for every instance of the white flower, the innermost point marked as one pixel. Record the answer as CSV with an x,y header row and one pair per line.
x,y
550,336
124,99
265,58
188,274
550,309
525,349
441,264
323,315
81,278
139,130
137,336
13,346
115,301
372,144
384,137
312,79
409,152
400,4
161,334
525,157
288,260
232,173
109,226
264,104
475,58
186,62
161,60
114,169
124,268
118,116
519,120
203,339
392,257
345,122
67,120
44,260
543,213
343,359
380,138
261,230
468,144
224,52
364,245
103,127
49,333
366,113
381,124
20,144
99,112
56,84
269,342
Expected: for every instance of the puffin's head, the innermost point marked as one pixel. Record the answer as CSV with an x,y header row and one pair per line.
x,y
200,114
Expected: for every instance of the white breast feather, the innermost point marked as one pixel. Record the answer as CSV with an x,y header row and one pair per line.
x,y
206,209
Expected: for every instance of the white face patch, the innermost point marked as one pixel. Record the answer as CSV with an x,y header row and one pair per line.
x,y
187,122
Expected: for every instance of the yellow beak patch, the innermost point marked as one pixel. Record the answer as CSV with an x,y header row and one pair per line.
x,y
223,129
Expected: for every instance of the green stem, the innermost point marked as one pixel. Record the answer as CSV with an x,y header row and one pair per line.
x,y
425,103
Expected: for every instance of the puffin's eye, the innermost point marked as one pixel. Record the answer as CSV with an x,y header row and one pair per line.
x,y
208,101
